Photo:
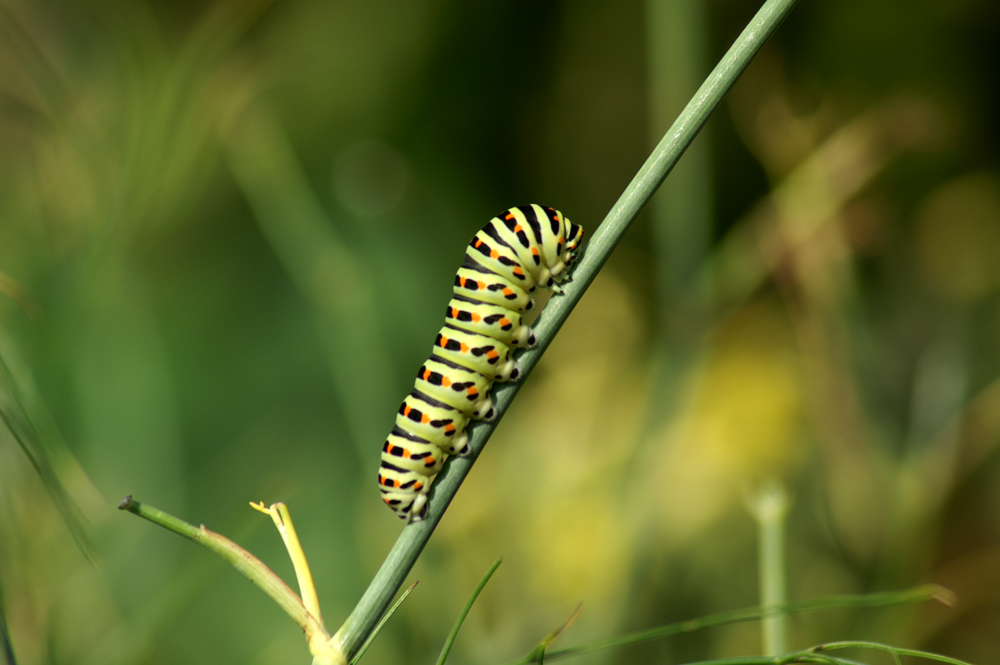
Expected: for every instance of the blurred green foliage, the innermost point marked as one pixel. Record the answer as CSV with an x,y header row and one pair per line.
x,y
227,235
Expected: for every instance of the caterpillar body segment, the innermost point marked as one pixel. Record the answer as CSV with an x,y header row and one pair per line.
x,y
503,325
406,453
492,253
406,472
456,386
476,352
477,283
426,419
403,491
519,250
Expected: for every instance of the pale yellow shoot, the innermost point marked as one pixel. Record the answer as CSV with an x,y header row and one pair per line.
x,y
321,647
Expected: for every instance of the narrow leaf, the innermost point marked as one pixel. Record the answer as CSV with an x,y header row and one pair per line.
x,y
446,649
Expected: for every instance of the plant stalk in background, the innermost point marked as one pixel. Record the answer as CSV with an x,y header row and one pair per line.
x,y
769,506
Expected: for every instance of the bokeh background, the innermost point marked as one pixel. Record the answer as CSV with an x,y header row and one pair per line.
x,y
227,236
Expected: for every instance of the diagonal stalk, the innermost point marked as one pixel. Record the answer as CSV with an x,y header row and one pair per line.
x,y
414,537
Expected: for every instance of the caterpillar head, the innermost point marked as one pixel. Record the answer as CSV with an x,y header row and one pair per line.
x,y
573,235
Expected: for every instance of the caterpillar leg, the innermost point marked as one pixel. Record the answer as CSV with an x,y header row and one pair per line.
x,y
407,499
460,445
419,510
409,506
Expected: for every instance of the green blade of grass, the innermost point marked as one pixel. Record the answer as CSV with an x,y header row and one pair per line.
x,y
6,645
311,248
538,653
414,537
916,595
895,651
794,657
446,649
40,444
378,627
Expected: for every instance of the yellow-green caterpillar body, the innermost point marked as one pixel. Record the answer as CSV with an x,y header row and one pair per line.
x,y
519,250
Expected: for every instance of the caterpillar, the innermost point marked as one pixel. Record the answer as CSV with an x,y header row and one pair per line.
x,y
519,250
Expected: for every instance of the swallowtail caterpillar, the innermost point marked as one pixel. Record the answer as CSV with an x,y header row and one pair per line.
x,y
518,251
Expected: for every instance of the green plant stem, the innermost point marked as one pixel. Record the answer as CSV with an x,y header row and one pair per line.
x,y
446,649
895,651
815,655
414,537
799,657
915,595
246,563
682,210
769,508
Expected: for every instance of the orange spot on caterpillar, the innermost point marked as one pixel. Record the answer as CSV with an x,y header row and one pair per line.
x,y
507,292
417,486
426,375
517,270
387,500
476,318
424,419
472,391
465,348
445,381
407,453
481,285
449,428
534,251
509,216
518,228
406,410
478,243
492,354
494,254
444,341
504,322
